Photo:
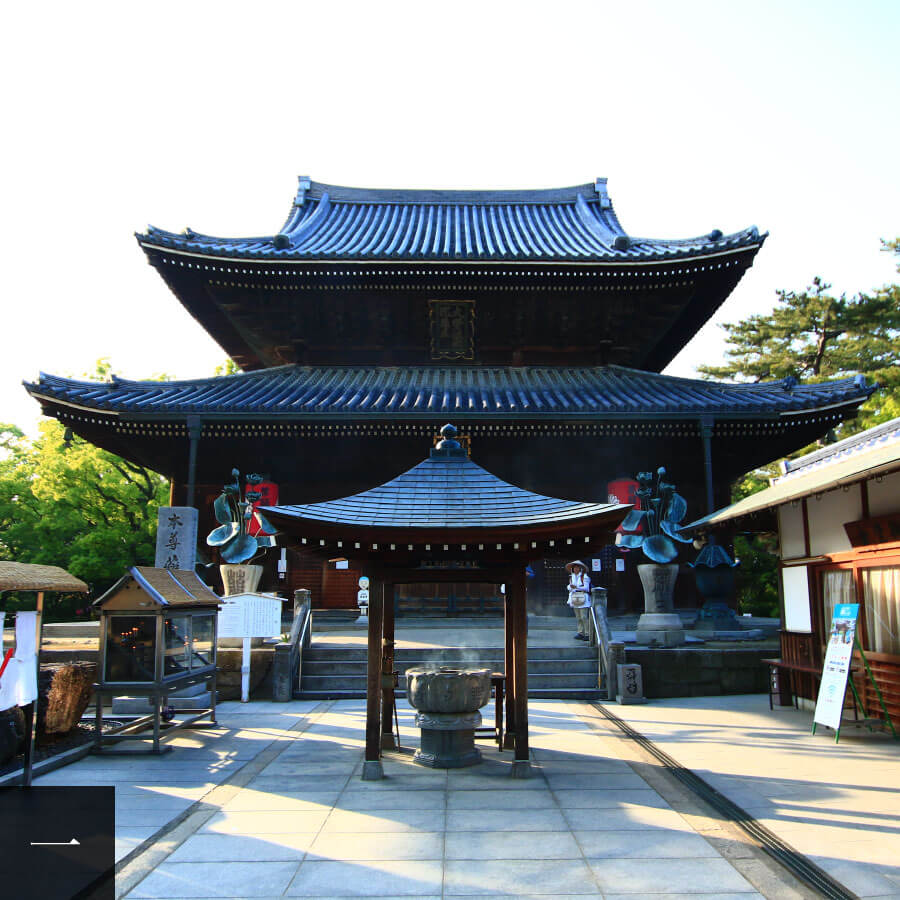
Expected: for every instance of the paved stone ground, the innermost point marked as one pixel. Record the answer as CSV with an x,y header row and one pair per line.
x,y
283,812
270,804
839,804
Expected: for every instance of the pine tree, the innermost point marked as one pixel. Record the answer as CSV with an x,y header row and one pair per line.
x,y
813,335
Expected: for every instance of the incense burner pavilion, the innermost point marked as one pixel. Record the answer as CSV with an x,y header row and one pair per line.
x,y
530,319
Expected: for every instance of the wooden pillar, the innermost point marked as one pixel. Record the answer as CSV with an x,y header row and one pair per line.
x,y
387,668
509,735
372,768
194,429
516,590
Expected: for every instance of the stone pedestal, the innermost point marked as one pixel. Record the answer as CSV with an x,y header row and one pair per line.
x,y
240,579
630,684
659,623
448,740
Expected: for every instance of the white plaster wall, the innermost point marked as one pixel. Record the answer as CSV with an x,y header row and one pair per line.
x,y
827,515
790,529
884,496
795,586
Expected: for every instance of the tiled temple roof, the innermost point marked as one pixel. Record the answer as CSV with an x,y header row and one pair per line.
x,y
331,222
446,490
885,435
463,391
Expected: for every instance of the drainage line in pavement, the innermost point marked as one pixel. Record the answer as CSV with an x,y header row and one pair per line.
x,y
802,867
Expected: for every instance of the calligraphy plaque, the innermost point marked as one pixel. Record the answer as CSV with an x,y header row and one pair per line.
x,y
176,538
452,325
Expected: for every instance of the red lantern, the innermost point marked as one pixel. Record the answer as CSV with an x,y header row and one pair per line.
x,y
267,492
623,490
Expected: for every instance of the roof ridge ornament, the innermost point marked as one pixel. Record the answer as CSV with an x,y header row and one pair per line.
x,y
448,446
303,185
602,194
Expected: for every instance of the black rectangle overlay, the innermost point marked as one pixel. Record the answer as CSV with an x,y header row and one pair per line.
x,y
57,843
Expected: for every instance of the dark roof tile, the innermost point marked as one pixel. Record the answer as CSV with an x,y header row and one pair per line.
x,y
464,392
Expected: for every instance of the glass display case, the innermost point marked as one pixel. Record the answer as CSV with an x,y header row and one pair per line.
x,y
157,641
130,649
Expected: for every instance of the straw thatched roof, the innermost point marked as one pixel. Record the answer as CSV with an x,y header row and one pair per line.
x,y
16,576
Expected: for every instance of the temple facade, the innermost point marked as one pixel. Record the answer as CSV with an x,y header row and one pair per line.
x,y
531,319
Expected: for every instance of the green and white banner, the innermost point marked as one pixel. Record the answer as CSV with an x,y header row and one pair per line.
x,y
836,668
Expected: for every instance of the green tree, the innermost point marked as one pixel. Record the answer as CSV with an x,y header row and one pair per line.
x,y
66,502
814,336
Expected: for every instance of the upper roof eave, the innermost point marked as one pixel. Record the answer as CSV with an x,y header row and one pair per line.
x,y
330,222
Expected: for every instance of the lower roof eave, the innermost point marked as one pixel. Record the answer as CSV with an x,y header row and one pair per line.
x,y
453,266
559,531
579,417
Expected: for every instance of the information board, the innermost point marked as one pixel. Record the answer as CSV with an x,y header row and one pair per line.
x,y
250,615
836,668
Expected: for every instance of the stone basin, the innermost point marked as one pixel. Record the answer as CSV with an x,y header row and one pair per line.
x,y
448,700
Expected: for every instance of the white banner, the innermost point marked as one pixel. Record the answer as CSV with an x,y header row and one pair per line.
x,y
836,669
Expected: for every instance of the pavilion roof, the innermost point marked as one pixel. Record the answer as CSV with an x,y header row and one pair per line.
x,y
332,222
466,392
446,491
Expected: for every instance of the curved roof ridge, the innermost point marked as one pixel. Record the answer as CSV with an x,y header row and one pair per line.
x,y
146,384
341,193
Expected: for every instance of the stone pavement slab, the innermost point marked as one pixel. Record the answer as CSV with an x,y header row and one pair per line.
x,y
294,819
837,803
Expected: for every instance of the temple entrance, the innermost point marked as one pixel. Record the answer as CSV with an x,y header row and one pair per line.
x,y
449,600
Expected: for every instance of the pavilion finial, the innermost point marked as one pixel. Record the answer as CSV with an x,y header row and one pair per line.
x,y
448,445
448,434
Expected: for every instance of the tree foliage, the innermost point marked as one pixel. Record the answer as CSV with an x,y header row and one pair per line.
x,y
66,502
814,336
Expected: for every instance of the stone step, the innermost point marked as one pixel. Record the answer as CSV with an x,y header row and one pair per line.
x,y
579,650
575,693
549,681
536,667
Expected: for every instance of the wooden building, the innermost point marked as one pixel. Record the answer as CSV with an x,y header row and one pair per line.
x,y
528,318
837,515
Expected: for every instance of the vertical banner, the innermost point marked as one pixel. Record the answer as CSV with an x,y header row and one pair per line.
x,y
836,668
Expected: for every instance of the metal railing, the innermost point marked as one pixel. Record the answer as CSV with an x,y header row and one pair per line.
x,y
609,652
288,662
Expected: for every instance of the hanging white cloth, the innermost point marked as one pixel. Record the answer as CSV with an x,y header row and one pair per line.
x,y
18,686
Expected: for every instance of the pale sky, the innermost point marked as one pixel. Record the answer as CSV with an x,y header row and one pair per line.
x,y
701,115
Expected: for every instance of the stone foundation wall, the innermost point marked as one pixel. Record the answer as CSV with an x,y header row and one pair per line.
x,y
702,672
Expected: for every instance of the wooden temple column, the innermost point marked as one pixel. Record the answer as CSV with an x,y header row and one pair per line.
x,y
515,589
372,768
509,733
387,670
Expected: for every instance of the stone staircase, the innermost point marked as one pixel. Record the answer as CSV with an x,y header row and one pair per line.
x,y
559,673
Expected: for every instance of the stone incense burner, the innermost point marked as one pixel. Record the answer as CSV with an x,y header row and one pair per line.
x,y
448,700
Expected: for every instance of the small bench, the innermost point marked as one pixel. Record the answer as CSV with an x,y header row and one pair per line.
x,y
776,666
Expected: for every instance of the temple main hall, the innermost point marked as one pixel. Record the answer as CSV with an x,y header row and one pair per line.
x,y
530,319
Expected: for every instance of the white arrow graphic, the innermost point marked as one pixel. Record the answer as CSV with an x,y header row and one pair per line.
x,y
73,843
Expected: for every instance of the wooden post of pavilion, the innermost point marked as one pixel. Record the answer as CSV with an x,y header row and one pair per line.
x,y
387,670
516,591
509,732
372,768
